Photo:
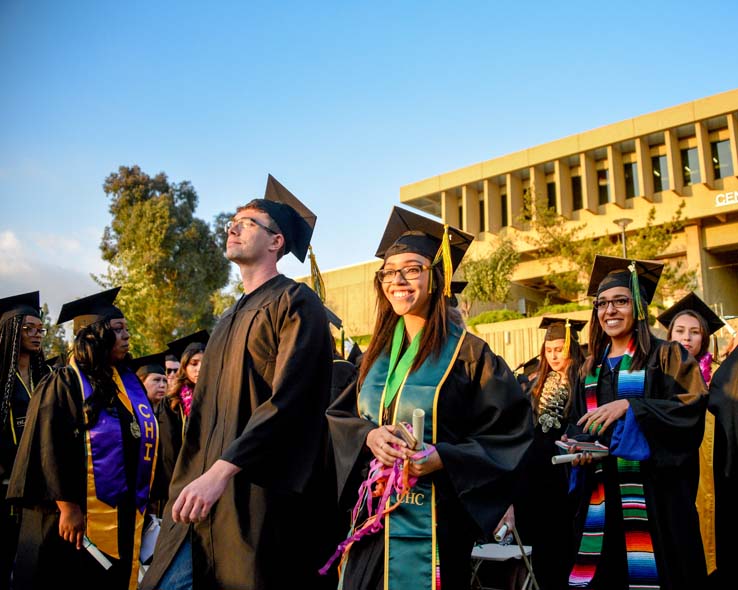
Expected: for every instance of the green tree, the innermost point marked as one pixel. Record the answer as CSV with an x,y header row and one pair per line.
x,y
489,276
167,261
55,342
561,244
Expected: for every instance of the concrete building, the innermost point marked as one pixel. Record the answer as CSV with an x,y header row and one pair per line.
x,y
684,153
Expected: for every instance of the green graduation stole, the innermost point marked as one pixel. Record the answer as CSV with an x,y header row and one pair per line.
x,y
411,549
642,572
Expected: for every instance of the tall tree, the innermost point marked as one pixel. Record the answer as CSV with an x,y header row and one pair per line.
x,y
167,261
488,276
55,342
568,250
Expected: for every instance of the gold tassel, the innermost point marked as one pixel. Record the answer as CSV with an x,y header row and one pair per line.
x,y
444,256
567,340
318,284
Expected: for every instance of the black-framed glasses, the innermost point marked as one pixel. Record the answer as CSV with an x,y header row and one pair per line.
x,y
408,273
33,330
171,371
247,222
618,303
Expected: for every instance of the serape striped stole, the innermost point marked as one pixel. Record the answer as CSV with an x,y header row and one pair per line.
x,y
642,572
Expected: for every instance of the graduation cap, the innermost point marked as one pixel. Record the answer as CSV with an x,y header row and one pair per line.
x,y
333,318
562,328
193,341
152,363
91,309
528,367
692,303
410,232
456,288
23,304
295,221
640,276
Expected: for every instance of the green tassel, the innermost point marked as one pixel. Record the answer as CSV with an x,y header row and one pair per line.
x,y
638,311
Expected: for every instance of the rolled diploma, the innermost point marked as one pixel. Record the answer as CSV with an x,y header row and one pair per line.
x,y
568,458
418,426
501,534
96,553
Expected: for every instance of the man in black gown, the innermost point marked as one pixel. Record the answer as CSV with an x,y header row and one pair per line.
x,y
245,487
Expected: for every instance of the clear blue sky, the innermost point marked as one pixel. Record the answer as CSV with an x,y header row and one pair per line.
x,y
343,102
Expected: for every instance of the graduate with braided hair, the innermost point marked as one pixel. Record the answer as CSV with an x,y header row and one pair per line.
x,y
645,399
22,366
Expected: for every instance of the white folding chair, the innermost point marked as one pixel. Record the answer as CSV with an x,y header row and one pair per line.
x,y
499,553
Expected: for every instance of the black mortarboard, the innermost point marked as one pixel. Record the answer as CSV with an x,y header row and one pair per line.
x,y
152,363
354,354
23,304
611,271
528,367
333,318
692,303
410,232
556,327
458,286
196,340
91,309
296,222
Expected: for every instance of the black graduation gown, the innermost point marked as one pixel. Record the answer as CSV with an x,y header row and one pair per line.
x,y
544,510
723,403
671,416
259,404
170,442
51,466
484,429
9,438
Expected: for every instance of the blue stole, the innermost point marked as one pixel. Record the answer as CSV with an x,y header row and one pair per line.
x,y
411,550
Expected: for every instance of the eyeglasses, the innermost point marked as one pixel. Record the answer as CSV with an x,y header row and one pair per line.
x,y
247,222
33,330
618,303
171,371
409,273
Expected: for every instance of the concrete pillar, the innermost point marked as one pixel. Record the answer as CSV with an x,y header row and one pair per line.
x,y
704,153
589,182
450,207
492,206
674,160
514,199
694,251
733,137
562,177
616,175
470,200
538,190
645,169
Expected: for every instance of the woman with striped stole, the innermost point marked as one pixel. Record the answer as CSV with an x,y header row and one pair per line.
x,y
86,461
644,398
477,423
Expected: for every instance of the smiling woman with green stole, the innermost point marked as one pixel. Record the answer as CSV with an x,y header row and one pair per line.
x,y
477,422
86,461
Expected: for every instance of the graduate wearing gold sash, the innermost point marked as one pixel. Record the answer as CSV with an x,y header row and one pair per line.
x,y
86,461
476,419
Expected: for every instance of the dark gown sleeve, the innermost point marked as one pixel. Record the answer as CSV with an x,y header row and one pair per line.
x,y
723,403
672,415
282,439
482,459
50,465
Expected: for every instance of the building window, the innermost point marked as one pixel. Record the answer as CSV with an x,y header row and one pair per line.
x,y
503,210
691,166
482,216
603,192
576,193
551,194
660,174
630,171
721,161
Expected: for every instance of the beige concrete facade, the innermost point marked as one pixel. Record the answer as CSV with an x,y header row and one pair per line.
x,y
684,153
